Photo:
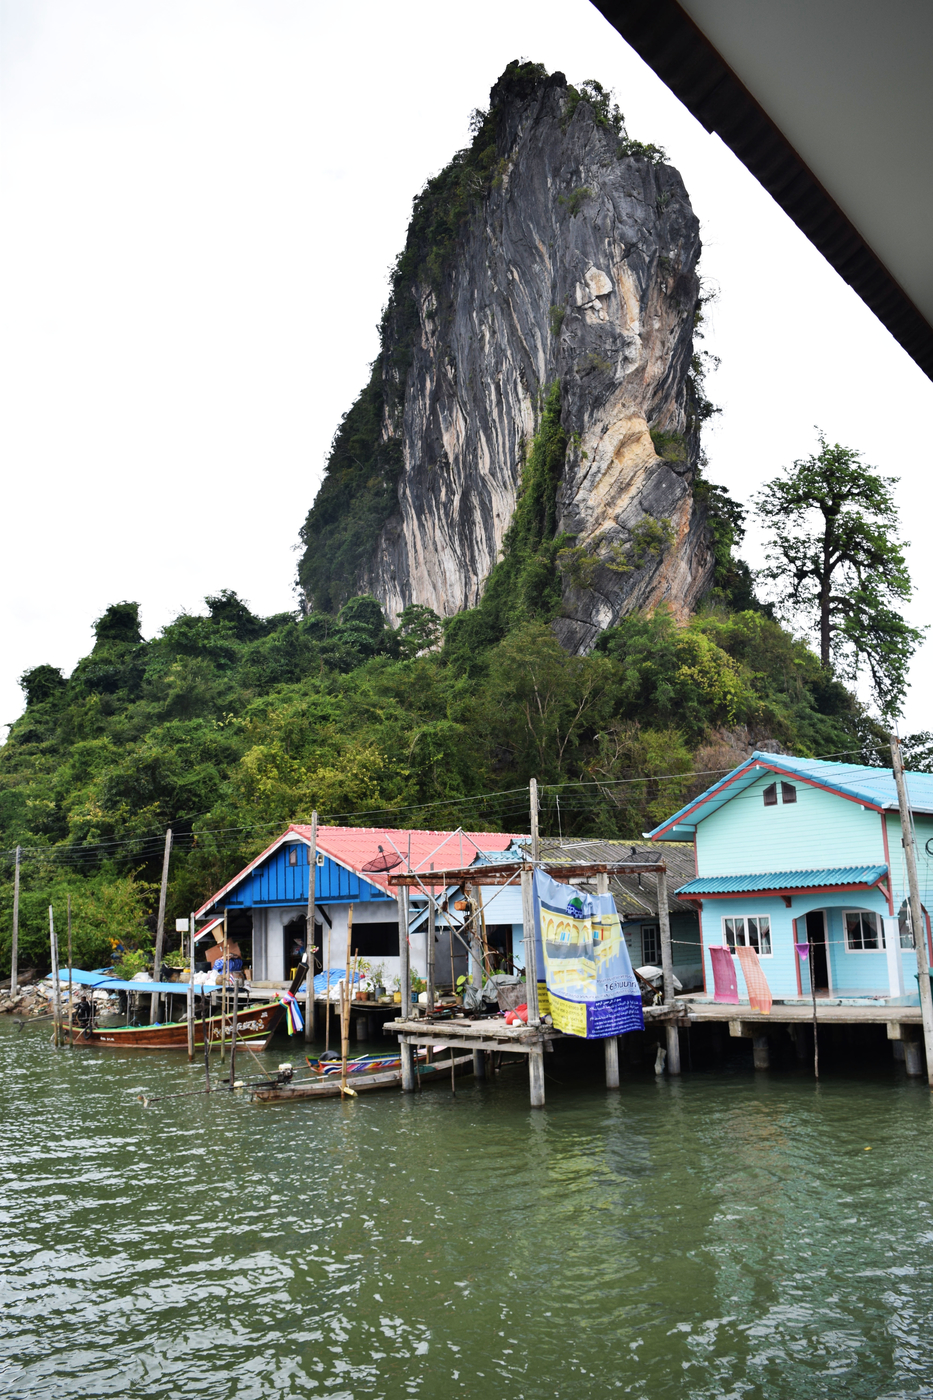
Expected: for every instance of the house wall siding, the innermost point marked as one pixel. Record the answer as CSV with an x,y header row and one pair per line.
x,y
820,829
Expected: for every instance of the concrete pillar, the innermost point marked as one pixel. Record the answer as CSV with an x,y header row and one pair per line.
x,y
760,1052
612,1062
898,1047
913,1056
479,1064
800,1042
536,1078
408,1068
673,1049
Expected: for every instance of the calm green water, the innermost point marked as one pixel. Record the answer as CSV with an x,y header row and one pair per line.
x,y
725,1236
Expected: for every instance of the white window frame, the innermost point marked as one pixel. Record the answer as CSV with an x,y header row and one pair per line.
x,y
879,927
743,919
656,928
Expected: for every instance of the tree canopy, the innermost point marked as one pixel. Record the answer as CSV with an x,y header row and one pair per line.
x,y
838,567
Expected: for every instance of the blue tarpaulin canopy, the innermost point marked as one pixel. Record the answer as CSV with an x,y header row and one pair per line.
x,y
102,982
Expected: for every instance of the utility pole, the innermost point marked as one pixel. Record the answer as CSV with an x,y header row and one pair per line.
x,y
14,947
160,929
535,843
56,984
309,932
429,948
917,922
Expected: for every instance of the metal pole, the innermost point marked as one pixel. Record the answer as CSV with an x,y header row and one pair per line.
x,y
223,989
190,1006
345,1007
160,928
917,922
404,960
309,934
667,970
14,946
535,843
531,961
56,985
429,946
236,1008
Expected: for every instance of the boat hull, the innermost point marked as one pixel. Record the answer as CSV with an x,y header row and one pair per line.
x,y
328,1087
255,1025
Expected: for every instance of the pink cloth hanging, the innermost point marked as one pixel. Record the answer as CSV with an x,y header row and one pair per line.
x,y
726,987
759,993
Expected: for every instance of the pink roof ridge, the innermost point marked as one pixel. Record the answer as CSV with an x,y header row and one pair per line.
x,y
353,846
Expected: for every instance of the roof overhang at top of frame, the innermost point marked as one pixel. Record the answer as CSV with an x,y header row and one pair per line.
x,y
831,109
780,882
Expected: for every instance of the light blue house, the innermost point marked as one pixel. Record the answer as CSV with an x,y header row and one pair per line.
x,y
798,850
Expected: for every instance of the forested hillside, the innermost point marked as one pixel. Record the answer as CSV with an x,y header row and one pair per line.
x,y
226,726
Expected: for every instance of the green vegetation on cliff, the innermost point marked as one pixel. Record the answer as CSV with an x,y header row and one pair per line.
x,y
226,726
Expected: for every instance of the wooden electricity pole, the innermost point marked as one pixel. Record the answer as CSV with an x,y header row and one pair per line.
x,y
917,922
309,931
667,970
535,842
160,928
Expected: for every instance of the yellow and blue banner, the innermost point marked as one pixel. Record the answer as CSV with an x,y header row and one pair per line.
x,y
592,991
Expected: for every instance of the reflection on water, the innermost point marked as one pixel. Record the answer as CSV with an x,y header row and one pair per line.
x,y
728,1236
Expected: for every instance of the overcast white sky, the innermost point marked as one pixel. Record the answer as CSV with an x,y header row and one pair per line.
x,y
201,199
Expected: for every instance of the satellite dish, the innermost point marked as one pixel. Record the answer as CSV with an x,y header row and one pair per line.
x,y
382,862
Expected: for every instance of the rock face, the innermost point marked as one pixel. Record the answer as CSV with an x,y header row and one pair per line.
x,y
575,263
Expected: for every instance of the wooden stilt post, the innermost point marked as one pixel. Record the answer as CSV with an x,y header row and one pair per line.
x,y
536,1078
223,989
14,946
917,921
327,1002
190,997
70,983
816,1040
667,969
160,928
309,933
56,984
408,1069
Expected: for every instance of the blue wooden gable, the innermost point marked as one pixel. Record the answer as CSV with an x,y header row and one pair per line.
x,y
276,882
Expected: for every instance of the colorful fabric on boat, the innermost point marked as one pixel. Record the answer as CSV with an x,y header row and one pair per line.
x,y
592,991
759,993
726,987
293,1018
803,951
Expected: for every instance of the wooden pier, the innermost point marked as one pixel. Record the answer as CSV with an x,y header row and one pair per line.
x,y
484,1036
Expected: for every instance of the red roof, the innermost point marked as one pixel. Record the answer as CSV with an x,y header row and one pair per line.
x,y
354,846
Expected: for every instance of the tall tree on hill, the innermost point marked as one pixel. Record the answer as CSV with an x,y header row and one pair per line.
x,y
837,564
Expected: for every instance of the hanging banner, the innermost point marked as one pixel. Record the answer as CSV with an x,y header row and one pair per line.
x,y
592,991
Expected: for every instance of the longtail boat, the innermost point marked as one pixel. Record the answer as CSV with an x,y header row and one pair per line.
x,y
361,1077
255,1025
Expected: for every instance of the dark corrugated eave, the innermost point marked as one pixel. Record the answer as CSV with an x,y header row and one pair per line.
x,y
667,39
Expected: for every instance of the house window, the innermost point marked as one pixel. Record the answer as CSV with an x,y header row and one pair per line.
x,y
770,795
293,855
749,933
864,933
651,944
788,793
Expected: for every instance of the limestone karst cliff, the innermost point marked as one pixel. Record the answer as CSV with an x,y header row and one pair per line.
x,y
552,251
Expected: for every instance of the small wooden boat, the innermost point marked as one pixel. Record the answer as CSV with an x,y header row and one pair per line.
x,y
255,1026
327,1085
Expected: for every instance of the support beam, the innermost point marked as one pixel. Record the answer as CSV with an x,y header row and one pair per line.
x,y
536,1078
913,1057
479,1063
761,1052
612,1062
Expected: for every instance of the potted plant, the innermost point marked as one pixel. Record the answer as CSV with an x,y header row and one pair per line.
x,y
396,989
418,985
365,972
378,978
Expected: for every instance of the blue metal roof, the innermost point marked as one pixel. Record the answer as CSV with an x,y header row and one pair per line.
x,y
872,786
866,875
